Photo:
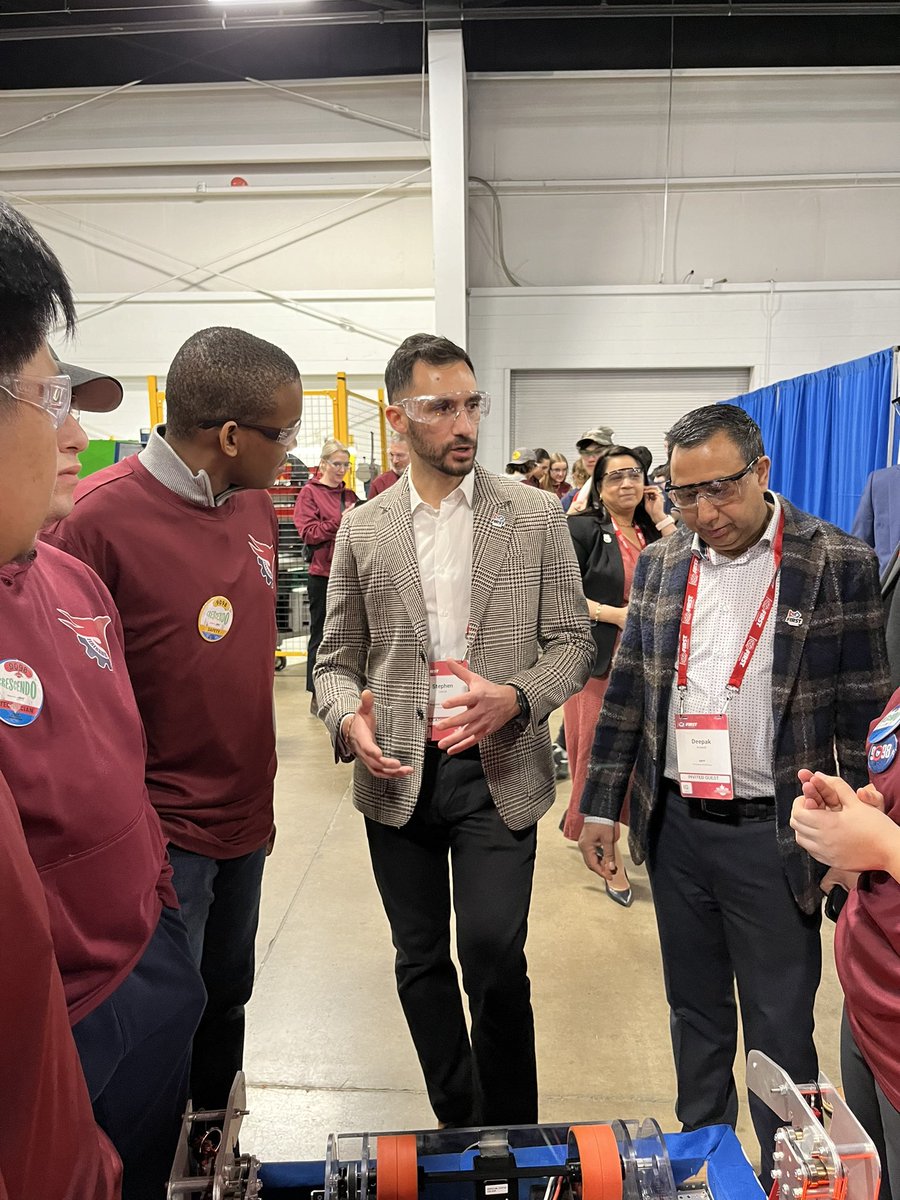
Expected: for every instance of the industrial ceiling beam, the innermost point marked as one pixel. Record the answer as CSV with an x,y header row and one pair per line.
x,y
229,21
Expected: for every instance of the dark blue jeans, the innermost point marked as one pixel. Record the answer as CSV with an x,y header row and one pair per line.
x,y
135,1050
219,900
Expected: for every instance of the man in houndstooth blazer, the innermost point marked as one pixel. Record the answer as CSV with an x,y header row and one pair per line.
x,y
454,563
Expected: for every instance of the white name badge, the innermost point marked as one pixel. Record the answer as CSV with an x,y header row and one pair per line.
x,y
703,747
444,684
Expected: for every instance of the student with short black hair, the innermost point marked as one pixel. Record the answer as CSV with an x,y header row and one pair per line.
x,y
184,535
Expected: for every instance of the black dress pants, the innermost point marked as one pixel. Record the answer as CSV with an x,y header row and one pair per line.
x,y
317,594
725,913
872,1109
457,832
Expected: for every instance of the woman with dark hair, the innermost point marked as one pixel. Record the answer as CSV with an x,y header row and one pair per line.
x,y
624,514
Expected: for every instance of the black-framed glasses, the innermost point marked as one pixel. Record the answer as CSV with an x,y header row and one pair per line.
x,y
716,491
284,436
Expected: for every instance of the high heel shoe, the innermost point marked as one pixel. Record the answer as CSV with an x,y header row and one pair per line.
x,y
625,898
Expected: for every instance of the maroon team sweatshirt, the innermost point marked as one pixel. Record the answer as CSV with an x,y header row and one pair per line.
x,y
72,752
195,587
317,515
382,483
49,1144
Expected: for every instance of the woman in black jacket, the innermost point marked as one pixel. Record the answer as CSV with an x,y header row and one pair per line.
x,y
624,515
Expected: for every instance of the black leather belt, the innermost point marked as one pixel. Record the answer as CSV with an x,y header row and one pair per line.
x,y
758,808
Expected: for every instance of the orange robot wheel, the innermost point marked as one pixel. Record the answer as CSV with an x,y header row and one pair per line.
x,y
397,1168
601,1167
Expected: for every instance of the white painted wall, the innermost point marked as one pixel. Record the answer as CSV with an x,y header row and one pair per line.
x,y
782,176
778,333
774,175
326,252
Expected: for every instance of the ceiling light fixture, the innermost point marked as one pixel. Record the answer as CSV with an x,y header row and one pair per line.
x,y
255,3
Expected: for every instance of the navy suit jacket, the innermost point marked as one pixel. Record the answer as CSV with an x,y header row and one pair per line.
x,y
877,520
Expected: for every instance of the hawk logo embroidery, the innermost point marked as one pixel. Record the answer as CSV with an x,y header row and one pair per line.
x,y
265,556
91,635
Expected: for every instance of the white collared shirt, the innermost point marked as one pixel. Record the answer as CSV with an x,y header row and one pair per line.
x,y
443,538
728,598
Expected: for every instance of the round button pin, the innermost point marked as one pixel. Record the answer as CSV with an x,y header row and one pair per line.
x,y
882,754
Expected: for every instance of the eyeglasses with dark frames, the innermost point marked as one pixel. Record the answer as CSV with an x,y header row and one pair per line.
x,y
716,491
283,436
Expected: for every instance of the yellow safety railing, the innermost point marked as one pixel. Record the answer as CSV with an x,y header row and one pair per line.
x,y
157,401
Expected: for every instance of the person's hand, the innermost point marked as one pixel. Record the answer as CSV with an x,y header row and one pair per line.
x,y
871,795
578,505
835,877
856,836
823,791
619,615
488,707
654,504
359,734
829,791
598,849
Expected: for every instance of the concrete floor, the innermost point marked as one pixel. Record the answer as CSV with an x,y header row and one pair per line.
x,y
327,1046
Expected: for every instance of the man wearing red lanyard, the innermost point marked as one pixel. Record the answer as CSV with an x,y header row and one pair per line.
x,y
754,647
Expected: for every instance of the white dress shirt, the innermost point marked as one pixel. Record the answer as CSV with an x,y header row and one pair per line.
x,y
443,538
728,598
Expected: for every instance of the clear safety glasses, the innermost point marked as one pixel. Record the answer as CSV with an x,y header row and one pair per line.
x,y
52,393
444,410
716,491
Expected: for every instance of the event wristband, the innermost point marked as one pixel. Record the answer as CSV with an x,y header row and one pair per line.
x,y
661,525
598,821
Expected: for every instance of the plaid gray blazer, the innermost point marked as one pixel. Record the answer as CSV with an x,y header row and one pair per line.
x,y
528,627
829,680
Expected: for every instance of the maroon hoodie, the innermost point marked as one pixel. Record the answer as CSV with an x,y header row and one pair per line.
x,y
49,1144
317,515
382,483
72,751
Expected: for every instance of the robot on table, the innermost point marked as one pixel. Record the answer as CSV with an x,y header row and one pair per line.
x,y
613,1160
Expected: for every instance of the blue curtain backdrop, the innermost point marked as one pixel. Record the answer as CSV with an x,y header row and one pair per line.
x,y
825,433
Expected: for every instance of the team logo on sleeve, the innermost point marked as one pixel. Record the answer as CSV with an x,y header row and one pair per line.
x,y
265,556
90,633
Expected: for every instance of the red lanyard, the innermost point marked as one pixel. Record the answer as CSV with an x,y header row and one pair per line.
x,y
756,629
624,543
